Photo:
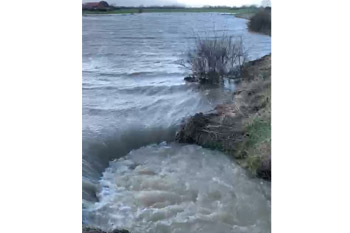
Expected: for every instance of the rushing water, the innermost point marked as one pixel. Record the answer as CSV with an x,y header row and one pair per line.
x,y
177,188
133,96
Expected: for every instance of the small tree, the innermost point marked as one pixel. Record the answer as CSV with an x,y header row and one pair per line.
x,y
214,59
266,3
140,10
261,22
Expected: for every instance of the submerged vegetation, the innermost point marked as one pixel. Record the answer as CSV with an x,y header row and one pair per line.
x,y
214,59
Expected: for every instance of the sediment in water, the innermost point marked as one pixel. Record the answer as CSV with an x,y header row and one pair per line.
x,y
171,187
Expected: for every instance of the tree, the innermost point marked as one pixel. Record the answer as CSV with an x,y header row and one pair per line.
x,y
266,3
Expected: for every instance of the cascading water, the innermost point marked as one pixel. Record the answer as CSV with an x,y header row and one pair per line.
x,y
133,96
180,188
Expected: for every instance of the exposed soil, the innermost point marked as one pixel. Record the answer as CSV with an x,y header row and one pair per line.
x,y
241,129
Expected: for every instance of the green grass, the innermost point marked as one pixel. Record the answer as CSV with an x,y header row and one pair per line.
x,y
257,145
179,10
255,148
259,131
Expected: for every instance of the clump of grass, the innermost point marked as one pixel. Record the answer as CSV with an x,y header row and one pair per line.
x,y
258,132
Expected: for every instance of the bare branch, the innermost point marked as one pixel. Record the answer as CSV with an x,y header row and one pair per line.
x,y
214,59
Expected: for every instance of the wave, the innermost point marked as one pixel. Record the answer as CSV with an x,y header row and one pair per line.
x,y
133,74
142,90
98,151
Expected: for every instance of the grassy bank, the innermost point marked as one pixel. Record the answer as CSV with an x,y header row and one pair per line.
x,y
242,128
175,10
253,99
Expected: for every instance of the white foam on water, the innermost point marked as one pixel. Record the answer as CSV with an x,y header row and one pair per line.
x,y
180,188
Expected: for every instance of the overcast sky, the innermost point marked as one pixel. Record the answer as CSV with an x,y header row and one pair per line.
x,y
194,3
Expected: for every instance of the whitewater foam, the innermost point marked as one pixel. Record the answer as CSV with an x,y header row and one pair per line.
x,y
180,188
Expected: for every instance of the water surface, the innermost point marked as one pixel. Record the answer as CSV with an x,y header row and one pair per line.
x,y
134,95
180,188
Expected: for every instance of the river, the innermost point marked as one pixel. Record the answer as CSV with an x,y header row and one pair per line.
x,y
134,98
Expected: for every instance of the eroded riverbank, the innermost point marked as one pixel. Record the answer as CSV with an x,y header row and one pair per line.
x,y
242,128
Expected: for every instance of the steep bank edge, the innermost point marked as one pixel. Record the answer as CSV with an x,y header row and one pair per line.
x,y
241,129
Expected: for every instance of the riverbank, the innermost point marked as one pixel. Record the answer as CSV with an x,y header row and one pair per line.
x,y
247,15
240,129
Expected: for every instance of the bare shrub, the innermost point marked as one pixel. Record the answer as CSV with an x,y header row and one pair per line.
x,y
261,22
214,59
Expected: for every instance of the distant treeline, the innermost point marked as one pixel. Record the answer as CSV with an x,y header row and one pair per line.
x,y
112,9
181,7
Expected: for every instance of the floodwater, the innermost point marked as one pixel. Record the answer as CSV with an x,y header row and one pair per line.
x,y
134,98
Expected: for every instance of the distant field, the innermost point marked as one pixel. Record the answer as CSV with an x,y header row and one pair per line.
x,y
165,10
